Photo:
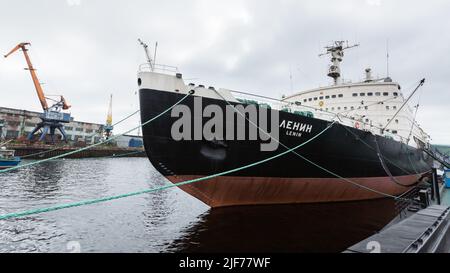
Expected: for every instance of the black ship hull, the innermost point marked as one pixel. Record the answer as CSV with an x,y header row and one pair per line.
x,y
343,151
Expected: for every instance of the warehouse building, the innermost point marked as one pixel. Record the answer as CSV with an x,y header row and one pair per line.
x,y
15,123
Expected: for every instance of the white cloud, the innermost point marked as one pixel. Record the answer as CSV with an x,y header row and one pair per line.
x,y
73,2
88,52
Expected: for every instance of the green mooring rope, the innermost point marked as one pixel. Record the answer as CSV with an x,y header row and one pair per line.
x,y
100,200
93,145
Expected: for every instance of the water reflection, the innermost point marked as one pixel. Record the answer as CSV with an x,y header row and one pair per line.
x,y
162,221
286,228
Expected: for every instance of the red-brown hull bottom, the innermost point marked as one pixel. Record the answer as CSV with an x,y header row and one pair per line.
x,y
236,191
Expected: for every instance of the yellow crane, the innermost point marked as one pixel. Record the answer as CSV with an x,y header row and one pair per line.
x,y
108,126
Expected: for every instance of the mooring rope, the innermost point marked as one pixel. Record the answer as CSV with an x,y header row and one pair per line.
x,y
67,145
104,199
373,149
386,169
93,145
120,155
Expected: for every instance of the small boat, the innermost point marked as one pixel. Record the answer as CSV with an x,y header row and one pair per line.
x,y
7,158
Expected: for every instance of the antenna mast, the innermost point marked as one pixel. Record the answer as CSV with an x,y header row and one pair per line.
x,y
387,58
149,59
154,55
337,54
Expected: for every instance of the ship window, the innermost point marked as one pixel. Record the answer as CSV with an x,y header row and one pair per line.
x,y
355,94
332,108
341,96
345,108
327,97
366,107
305,100
396,121
385,94
377,94
395,107
333,96
326,109
315,98
367,120
298,103
310,99
388,119
387,107
362,94
339,108
370,94
353,108
321,98
395,94
394,131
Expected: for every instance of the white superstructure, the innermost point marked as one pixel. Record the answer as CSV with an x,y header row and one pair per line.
x,y
370,105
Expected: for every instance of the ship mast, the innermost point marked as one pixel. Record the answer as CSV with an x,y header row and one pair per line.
x,y
337,54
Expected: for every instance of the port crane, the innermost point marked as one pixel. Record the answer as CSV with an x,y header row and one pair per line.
x,y
52,117
108,125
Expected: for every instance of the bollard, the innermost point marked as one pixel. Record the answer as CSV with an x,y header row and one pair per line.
x,y
435,185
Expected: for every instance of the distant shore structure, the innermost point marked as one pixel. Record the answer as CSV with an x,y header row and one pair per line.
x,y
16,123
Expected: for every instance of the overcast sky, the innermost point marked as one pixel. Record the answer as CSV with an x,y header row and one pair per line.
x,y
87,49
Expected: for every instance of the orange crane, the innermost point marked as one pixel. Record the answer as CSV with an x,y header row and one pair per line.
x,y
52,118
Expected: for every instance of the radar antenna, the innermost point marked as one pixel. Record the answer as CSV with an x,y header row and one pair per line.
x,y
337,54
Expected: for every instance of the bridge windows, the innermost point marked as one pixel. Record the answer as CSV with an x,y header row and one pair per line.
x,y
355,94
385,94
340,96
333,96
377,94
370,94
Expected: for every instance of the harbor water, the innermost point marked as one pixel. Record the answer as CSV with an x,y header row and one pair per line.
x,y
163,221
